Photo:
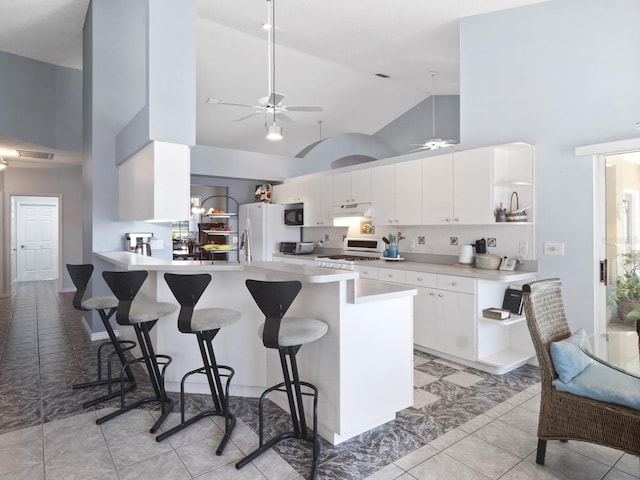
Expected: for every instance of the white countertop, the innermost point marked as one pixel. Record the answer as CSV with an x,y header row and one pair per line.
x,y
459,270
135,261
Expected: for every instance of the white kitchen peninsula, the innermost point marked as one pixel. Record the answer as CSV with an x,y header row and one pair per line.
x,y
363,366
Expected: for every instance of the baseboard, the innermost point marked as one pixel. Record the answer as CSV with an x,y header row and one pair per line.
x,y
96,336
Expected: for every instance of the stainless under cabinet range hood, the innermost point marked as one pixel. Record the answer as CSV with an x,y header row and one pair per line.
x,y
351,210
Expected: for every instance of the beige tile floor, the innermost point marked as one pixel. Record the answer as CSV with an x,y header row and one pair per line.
x,y
499,444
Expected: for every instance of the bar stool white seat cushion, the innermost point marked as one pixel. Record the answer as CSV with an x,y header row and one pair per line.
x,y
147,311
298,331
102,302
206,319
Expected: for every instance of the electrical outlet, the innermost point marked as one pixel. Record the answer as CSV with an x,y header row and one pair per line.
x,y
491,242
421,241
554,248
326,237
453,240
523,248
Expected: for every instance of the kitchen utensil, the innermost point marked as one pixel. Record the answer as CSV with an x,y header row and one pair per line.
x,y
481,246
386,240
486,261
466,255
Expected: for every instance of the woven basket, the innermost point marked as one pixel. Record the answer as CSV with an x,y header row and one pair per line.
x,y
486,261
515,217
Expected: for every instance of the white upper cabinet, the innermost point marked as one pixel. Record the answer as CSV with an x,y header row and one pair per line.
x,y
290,192
437,190
352,187
472,187
397,193
319,202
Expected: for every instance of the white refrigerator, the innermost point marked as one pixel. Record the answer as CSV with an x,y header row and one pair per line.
x,y
265,222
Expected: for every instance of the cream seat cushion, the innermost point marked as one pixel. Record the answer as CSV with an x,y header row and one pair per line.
x,y
213,318
103,302
298,331
147,311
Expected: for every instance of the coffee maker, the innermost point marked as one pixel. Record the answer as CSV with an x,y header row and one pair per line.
x,y
138,243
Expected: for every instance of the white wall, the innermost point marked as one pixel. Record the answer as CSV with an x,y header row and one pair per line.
x,y
558,75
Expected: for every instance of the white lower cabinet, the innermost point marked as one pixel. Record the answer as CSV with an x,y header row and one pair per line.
x,y
447,319
367,272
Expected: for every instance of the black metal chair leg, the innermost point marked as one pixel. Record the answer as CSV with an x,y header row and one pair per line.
x,y
542,451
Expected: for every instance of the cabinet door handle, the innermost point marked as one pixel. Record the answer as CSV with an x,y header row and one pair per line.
x,y
448,220
419,279
431,293
454,284
390,275
440,295
456,219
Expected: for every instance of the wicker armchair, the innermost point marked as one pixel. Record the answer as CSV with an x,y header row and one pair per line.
x,y
564,416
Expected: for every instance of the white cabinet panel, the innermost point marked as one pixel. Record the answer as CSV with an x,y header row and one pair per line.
x,y
391,275
383,195
425,318
437,190
456,324
397,193
319,200
472,187
352,187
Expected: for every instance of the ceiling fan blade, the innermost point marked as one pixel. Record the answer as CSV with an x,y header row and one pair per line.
x,y
284,118
303,108
215,101
246,117
275,99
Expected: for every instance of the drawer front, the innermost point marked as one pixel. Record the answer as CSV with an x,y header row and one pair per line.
x,y
421,279
367,272
391,275
456,284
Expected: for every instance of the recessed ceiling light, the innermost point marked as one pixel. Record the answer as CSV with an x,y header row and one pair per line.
x,y
382,75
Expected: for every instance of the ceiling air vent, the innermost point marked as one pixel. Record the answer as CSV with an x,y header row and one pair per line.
x,y
32,154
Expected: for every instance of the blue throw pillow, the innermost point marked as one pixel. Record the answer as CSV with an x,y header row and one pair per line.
x,y
568,360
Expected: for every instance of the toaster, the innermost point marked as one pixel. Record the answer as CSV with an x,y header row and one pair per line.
x,y
296,248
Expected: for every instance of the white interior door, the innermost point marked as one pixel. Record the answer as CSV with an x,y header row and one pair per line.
x,y
37,238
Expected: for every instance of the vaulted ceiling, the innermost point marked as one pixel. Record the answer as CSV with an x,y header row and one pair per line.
x,y
328,52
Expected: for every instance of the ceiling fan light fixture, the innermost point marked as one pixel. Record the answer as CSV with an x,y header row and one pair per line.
x,y
274,133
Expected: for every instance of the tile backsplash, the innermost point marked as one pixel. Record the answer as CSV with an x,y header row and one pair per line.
x,y
505,239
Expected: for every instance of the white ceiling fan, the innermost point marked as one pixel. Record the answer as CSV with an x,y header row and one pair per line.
x,y
271,106
434,143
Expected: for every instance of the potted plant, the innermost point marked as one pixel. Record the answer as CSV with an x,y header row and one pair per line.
x,y
627,292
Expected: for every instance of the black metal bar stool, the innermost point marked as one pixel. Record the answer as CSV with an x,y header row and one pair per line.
x,y
287,335
142,316
205,323
106,306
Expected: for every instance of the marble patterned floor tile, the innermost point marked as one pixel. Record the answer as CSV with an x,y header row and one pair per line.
x,y
200,457
421,379
442,466
422,398
448,363
33,472
19,456
358,463
79,465
464,379
475,423
166,466
629,464
482,456
390,441
571,465
511,439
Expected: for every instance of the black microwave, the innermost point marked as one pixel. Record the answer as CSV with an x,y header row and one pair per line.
x,y
293,215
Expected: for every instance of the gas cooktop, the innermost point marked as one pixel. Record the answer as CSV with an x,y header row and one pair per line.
x,y
349,258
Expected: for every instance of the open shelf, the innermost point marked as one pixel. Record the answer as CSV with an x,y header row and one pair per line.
x,y
507,359
507,321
